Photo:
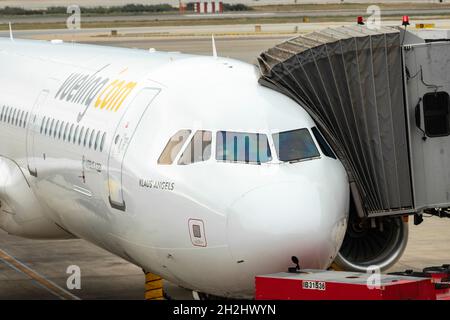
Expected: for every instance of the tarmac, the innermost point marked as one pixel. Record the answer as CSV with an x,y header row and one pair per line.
x,y
37,269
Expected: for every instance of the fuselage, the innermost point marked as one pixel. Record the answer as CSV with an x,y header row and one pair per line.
x,y
84,129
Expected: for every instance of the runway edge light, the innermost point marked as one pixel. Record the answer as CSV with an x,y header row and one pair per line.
x,y
405,21
360,20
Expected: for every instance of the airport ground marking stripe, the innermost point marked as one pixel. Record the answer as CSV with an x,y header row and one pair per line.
x,y
41,280
34,281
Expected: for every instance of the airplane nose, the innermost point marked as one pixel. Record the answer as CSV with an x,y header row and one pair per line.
x,y
270,224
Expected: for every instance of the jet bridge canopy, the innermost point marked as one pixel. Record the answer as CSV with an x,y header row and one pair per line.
x,y
350,81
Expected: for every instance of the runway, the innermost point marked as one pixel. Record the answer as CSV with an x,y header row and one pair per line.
x,y
32,269
33,4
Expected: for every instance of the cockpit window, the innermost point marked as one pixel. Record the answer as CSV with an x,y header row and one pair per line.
x,y
295,145
323,144
173,147
242,147
198,150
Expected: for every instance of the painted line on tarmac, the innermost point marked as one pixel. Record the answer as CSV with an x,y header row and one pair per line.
x,y
45,283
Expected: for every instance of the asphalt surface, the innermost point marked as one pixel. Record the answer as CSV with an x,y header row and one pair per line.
x,y
30,4
31,269
105,276
227,15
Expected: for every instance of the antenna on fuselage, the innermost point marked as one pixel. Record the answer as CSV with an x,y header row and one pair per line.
x,y
10,32
214,46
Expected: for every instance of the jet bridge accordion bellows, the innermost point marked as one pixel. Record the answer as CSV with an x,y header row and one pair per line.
x,y
349,79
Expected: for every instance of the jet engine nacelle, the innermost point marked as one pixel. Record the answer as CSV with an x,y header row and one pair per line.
x,y
20,212
376,243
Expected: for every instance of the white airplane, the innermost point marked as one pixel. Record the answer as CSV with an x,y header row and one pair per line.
x,y
183,165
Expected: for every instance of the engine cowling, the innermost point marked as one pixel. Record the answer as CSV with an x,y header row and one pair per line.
x,y
20,212
373,242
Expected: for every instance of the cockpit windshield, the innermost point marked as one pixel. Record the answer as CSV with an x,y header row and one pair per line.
x,y
295,145
242,147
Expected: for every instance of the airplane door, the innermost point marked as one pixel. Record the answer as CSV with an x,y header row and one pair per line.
x,y
32,130
122,138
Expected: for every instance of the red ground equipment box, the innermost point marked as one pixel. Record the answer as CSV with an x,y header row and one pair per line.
x,y
338,285
440,277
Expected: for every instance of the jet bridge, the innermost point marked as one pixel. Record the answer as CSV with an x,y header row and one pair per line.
x,y
381,98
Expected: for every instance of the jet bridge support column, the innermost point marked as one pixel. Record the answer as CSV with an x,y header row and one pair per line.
x,y
153,287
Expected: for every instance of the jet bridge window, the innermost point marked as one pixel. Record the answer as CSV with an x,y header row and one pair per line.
x,y
240,147
436,111
198,150
173,147
295,145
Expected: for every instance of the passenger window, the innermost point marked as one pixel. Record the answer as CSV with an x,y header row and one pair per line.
x,y
60,130
295,145
9,115
80,138
22,113
55,133
97,140
14,117
25,120
323,144
173,147
242,147
46,125
69,138
436,111
198,150
18,117
66,129
42,124
16,120
91,138
86,137
52,127
102,144
8,112
75,135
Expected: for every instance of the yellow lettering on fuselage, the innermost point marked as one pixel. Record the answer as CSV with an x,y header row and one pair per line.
x,y
114,95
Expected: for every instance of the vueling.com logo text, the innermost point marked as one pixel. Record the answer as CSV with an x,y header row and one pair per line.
x,y
83,89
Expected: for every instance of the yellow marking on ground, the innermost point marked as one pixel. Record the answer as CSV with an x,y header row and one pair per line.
x,y
47,284
425,25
